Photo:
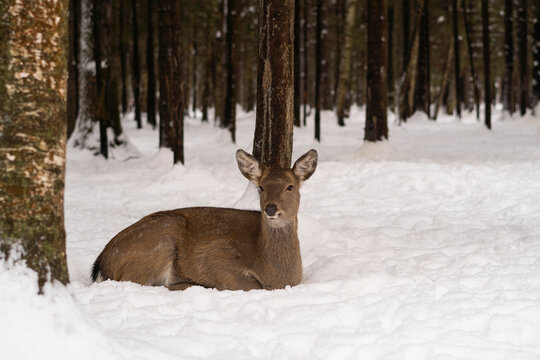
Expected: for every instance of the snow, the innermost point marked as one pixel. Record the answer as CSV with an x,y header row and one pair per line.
x,y
425,246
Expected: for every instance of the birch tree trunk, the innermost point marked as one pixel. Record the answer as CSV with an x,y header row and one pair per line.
x,y
275,84
33,74
377,99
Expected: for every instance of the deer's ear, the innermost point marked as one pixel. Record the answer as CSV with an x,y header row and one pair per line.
x,y
249,166
305,166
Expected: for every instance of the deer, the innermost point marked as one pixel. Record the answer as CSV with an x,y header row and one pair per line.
x,y
221,248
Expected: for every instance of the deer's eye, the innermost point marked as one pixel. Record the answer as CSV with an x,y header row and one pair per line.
x,y
261,189
289,188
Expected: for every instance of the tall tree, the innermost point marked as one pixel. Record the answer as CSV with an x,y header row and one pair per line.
x,y
508,94
406,13
390,76
136,65
150,68
33,134
457,67
345,68
536,55
297,17
73,65
100,109
487,63
470,48
306,63
377,99
318,68
231,65
122,23
275,84
219,93
522,33
423,83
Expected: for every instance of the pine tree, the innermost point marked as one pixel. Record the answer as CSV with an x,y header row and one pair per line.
x,y
33,134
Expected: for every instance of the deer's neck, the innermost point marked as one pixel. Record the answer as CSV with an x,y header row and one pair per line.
x,y
279,249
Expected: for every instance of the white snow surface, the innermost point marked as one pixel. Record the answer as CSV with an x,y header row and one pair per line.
x,y
426,246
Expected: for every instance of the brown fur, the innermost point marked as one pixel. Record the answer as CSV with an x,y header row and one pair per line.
x,y
217,247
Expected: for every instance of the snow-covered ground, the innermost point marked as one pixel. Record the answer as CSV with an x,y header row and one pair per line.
x,y
423,247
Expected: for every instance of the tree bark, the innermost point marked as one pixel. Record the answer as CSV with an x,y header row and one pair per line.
x,y
444,84
536,55
406,11
219,94
297,18
423,83
275,84
136,66
150,67
390,77
33,134
344,76
231,67
522,33
487,63
508,95
377,97
468,33
457,67
122,21
73,65
100,109
318,69
306,63
176,90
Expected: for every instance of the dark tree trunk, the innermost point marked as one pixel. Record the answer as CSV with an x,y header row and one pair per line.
x,y
123,54
150,68
219,93
33,135
176,90
422,93
508,93
231,67
306,63
377,99
446,75
522,33
136,67
194,69
468,33
99,111
536,55
390,77
73,65
487,63
166,136
297,18
275,84
206,97
406,11
457,67
318,69
111,73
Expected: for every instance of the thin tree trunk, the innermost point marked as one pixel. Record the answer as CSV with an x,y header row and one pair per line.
x,y
33,124
457,67
306,63
150,67
344,76
219,95
176,90
487,63
390,77
206,98
273,140
73,65
446,76
536,55
123,54
111,58
377,97
422,91
194,69
523,57
136,67
99,111
297,18
231,66
166,136
468,33
406,11
508,98
318,69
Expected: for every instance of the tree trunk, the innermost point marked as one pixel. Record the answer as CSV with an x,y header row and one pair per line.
x,y
468,33
33,130
297,18
73,65
150,67
176,90
136,67
377,97
112,85
508,98
100,109
275,84
344,76
446,76
231,67
206,97
122,21
457,67
406,11
523,57
318,70
219,94
536,55
487,63
194,54
423,83
390,77
166,136
306,63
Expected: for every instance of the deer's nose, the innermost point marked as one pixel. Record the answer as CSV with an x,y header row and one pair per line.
x,y
270,210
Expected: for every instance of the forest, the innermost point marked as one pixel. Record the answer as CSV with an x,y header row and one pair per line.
x,y
408,128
